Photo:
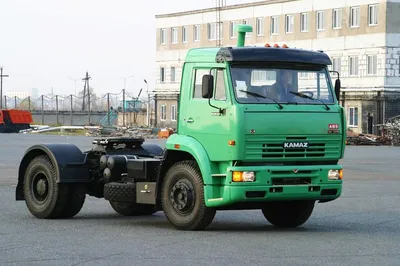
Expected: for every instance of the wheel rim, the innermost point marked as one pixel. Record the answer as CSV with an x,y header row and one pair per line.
x,y
182,196
40,187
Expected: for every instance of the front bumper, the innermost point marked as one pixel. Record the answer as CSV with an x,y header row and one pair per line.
x,y
275,183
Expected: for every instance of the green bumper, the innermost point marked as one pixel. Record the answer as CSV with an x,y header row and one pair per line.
x,y
274,184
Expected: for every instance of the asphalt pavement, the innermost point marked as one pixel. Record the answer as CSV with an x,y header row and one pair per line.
x,y
360,228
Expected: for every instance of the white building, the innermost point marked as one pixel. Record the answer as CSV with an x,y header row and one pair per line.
x,y
361,36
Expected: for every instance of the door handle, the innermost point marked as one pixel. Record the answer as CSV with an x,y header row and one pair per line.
x,y
190,120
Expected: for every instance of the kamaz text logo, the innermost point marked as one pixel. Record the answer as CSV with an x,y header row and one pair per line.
x,y
291,145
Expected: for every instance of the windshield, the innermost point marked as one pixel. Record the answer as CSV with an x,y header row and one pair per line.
x,y
298,84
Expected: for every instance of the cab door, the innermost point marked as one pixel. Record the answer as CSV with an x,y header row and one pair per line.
x,y
204,122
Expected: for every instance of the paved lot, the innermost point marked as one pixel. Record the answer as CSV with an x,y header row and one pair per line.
x,y
360,228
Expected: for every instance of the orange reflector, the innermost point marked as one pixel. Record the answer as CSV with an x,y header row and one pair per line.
x,y
237,177
285,46
341,174
231,143
267,45
177,146
276,45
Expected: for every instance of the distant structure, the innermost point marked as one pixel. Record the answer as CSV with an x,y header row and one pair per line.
x,y
361,36
35,93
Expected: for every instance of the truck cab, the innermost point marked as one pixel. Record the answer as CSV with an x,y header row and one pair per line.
x,y
264,126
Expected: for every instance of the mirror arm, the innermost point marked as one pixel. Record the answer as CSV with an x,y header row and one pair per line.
x,y
219,108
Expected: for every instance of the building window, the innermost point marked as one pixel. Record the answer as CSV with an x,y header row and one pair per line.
x,y
173,112
260,26
289,21
247,22
320,20
196,33
304,22
373,15
353,68
337,19
184,34
172,74
163,36
372,63
355,17
337,64
274,26
163,113
174,35
232,32
213,33
353,116
162,74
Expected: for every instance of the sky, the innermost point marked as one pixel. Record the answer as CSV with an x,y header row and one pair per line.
x,y
45,44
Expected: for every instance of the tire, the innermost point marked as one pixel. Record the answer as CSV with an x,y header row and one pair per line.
x,y
44,198
120,192
132,209
194,216
76,199
288,214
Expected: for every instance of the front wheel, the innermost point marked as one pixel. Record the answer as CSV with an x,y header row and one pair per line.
x,y
288,214
183,197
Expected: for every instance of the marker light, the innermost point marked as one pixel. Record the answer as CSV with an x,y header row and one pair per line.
x,y
231,143
285,46
276,45
243,176
267,45
335,174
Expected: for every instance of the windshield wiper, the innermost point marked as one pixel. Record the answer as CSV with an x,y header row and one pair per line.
x,y
255,94
302,95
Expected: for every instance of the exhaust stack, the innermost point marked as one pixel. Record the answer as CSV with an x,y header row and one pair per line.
x,y
242,29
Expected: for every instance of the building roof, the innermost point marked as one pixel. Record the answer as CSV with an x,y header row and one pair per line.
x,y
229,7
257,54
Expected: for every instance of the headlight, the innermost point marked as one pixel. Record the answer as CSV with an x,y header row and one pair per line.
x,y
335,174
243,176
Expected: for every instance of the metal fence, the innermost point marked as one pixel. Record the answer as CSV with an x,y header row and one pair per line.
x,y
78,103
80,109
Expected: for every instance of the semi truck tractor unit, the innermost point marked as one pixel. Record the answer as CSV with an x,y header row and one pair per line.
x,y
258,128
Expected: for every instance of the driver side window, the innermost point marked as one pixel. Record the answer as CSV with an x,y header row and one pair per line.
x,y
219,83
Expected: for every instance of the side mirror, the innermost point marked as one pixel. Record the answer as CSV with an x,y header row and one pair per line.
x,y
207,86
337,89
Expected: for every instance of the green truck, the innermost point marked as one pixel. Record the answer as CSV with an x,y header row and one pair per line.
x,y
258,128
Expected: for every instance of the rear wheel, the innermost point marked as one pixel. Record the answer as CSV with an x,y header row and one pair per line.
x,y
288,214
43,196
183,197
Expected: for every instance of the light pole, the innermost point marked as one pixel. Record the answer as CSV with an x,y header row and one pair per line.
x,y
74,83
148,104
125,78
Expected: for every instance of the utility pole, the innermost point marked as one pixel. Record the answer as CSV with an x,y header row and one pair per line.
x,y
1,86
86,79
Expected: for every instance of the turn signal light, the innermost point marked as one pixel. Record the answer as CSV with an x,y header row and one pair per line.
x,y
231,143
